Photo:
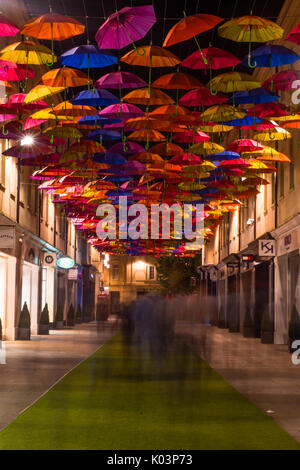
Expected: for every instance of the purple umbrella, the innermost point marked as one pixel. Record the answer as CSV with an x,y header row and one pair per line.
x,y
132,148
125,26
119,126
121,110
25,151
131,168
120,80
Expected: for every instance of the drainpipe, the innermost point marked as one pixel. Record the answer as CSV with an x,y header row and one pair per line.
x,y
40,212
228,233
254,216
239,233
18,190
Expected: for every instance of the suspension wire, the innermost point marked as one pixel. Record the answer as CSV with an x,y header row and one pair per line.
x,y
86,23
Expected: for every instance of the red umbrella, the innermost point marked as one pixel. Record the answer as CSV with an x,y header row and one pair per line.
x,y
202,97
244,145
11,72
216,59
7,27
294,35
268,110
282,81
191,137
237,163
185,159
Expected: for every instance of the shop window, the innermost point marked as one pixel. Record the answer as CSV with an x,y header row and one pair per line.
x,y
115,272
44,286
151,273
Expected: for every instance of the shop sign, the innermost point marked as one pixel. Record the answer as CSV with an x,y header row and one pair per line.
x,y
266,247
7,236
73,274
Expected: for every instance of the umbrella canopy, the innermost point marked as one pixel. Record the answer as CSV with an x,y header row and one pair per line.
x,y
282,80
267,110
95,98
7,27
277,133
185,159
272,55
42,91
233,81
177,81
244,145
147,136
53,26
190,137
68,109
122,110
27,53
154,56
11,72
167,149
120,80
250,29
222,112
130,148
143,97
294,35
87,57
215,59
201,97
64,132
65,77
125,26
254,96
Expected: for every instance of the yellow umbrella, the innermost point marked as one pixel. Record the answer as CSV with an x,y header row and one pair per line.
x,y
221,112
206,148
191,186
230,82
27,53
40,92
215,128
250,29
48,113
276,133
63,132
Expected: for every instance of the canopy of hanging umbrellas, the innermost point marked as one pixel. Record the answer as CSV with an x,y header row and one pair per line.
x,y
172,140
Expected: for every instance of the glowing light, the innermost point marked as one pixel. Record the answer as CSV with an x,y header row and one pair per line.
x,y
27,140
106,260
65,262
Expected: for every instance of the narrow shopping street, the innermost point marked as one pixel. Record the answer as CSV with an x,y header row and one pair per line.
x,y
123,396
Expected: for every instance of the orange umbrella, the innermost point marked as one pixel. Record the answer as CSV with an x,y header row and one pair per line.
x,y
151,56
146,157
278,157
65,77
53,26
147,136
142,96
177,81
167,111
143,123
87,146
167,149
189,27
68,109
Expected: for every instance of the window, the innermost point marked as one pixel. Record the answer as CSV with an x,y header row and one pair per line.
x,y
151,273
115,272
44,286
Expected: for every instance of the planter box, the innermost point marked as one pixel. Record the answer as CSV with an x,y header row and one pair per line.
x,y
43,329
248,332
267,337
59,325
23,334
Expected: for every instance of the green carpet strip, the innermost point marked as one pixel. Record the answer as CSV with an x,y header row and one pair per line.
x,y
121,398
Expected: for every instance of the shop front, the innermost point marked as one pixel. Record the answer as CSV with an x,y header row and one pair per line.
x,y
287,278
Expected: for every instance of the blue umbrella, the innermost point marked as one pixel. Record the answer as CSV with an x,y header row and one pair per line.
x,y
101,134
95,98
226,155
272,56
245,121
87,57
255,96
109,158
96,120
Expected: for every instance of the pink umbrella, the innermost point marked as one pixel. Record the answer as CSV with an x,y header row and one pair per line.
x,y
11,72
201,97
267,110
30,123
185,159
190,137
119,126
294,35
216,59
7,27
117,80
282,81
122,110
237,163
131,148
125,26
244,145
16,101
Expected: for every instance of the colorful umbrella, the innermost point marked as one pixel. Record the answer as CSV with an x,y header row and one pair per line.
x,y
233,81
167,149
95,98
9,71
27,53
7,27
87,57
125,26
54,27
222,112
119,80
215,59
202,97
250,29
294,35
42,91
244,145
254,96
65,77
122,110
143,97
177,81
189,27
190,137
